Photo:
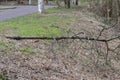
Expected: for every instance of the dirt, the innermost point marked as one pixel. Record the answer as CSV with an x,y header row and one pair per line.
x,y
41,60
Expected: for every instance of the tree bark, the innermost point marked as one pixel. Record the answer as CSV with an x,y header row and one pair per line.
x,y
58,3
67,3
20,1
46,1
40,6
30,2
75,2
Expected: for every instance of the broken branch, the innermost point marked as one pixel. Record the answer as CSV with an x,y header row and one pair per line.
x,y
55,38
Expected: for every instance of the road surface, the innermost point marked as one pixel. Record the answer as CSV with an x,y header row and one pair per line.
x,y
18,11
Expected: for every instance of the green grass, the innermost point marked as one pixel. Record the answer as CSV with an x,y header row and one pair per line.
x,y
36,24
84,0
2,77
2,43
26,50
58,10
6,44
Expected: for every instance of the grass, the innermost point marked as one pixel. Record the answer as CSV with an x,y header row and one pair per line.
x,y
84,0
2,77
58,10
7,44
2,43
36,24
26,50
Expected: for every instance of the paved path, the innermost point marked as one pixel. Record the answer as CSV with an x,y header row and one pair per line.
x,y
19,11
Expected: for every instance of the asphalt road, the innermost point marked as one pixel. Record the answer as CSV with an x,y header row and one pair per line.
x,y
18,11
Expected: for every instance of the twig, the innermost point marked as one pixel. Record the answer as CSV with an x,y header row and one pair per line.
x,y
117,37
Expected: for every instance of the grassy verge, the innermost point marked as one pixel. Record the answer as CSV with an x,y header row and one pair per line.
x,y
2,77
84,0
47,24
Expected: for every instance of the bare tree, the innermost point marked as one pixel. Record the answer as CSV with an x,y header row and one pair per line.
x,y
107,8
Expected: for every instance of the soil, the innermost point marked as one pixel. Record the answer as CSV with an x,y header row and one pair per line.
x,y
41,60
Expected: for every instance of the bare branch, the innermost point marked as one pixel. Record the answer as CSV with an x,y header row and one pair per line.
x,y
117,37
56,38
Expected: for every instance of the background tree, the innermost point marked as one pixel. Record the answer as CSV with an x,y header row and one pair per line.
x,y
40,5
67,3
46,1
75,2
107,8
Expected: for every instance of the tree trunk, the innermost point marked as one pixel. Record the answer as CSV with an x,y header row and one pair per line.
x,y
75,2
20,1
67,3
118,1
40,6
46,1
58,3
30,2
